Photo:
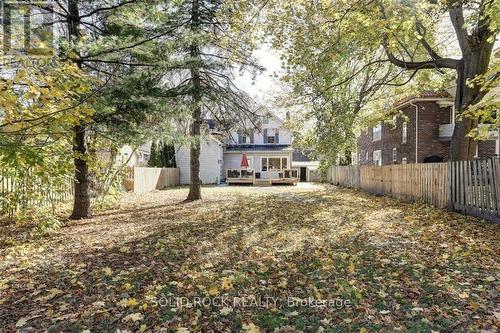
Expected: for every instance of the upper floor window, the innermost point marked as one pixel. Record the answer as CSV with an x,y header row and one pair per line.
x,y
244,137
377,132
394,155
405,132
271,136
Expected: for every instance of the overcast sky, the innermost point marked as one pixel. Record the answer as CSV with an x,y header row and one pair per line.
x,y
265,85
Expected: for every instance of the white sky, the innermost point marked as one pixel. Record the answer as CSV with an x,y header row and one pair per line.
x,y
265,85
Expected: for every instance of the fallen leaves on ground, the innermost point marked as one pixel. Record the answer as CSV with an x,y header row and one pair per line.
x,y
280,259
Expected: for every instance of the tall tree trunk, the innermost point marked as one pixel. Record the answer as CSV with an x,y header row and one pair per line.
x,y
472,64
476,49
81,204
195,183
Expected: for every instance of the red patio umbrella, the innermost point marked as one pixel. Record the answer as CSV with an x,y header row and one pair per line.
x,y
244,161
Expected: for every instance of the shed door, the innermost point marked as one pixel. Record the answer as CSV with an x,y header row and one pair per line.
x,y
303,174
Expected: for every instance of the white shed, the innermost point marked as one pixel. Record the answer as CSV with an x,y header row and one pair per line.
x,y
211,155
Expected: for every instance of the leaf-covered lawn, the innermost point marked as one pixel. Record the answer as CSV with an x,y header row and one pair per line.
x,y
284,259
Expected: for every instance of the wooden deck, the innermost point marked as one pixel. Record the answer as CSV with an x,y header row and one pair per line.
x,y
248,177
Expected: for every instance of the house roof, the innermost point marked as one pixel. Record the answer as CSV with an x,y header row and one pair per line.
x,y
301,155
257,147
425,94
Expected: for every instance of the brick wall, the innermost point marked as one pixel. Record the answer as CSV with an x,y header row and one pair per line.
x,y
430,116
487,149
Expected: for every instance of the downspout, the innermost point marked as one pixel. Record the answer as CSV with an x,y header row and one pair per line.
x,y
416,131
453,114
498,144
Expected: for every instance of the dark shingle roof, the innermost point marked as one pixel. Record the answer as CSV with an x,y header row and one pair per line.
x,y
301,155
256,147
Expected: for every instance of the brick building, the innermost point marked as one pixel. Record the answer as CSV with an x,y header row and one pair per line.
x,y
421,131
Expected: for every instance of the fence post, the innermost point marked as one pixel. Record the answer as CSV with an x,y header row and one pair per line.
x,y
451,189
496,174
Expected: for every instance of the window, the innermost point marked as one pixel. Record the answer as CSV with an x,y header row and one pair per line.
x,y
274,163
367,158
404,160
405,132
242,137
377,157
271,136
377,132
394,155
284,163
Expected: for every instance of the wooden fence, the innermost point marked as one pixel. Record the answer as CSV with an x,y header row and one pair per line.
x,y
149,179
22,190
475,188
470,187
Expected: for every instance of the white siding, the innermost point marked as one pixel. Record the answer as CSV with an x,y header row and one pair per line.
x,y
210,162
232,160
274,123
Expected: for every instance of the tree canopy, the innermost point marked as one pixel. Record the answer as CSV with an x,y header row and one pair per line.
x,y
369,48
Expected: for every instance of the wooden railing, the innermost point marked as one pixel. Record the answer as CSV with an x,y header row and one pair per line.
x,y
240,174
470,187
283,174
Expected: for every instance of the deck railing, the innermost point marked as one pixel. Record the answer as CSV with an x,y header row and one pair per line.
x,y
240,173
283,173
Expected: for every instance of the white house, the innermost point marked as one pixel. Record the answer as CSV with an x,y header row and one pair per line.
x,y
267,146
135,157
211,159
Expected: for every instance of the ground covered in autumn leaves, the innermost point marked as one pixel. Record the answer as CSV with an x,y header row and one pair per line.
x,y
284,259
